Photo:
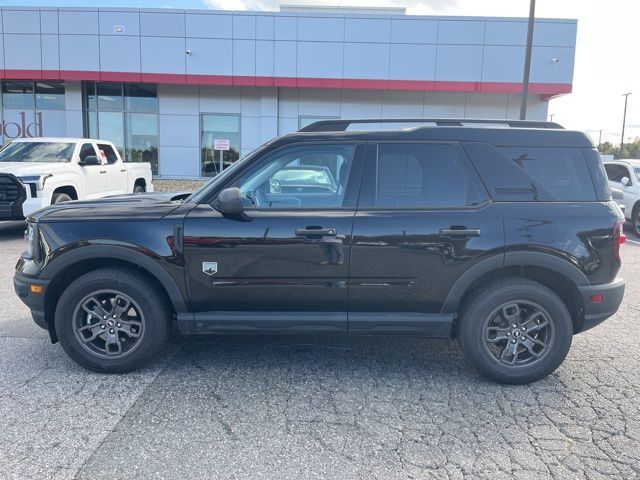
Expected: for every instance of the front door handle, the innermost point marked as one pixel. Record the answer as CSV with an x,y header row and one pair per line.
x,y
315,232
103,171
460,232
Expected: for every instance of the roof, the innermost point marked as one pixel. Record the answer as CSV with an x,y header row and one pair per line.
x,y
494,132
60,140
631,161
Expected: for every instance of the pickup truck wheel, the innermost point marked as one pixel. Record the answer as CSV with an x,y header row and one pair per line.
x,y
635,221
138,189
60,197
112,320
515,331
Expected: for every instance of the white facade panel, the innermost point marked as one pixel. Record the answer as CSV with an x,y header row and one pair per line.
x,y
496,69
179,162
244,26
15,20
172,59
320,29
78,22
22,52
319,103
366,60
555,34
179,130
421,67
79,52
399,104
215,99
50,52
284,59
503,32
161,24
461,32
462,63
244,57
178,99
264,58
48,21
204,25
265,27
373,30
113,22
551,64
209,56
319,59
286,27
409,30
120,54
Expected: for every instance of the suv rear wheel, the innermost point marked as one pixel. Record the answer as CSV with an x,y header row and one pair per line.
x,y
515,331
112,320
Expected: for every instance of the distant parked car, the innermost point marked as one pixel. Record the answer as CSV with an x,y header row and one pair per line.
x,y
37,172
624,175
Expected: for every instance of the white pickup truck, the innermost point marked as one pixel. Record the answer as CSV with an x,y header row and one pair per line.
x,y
37,172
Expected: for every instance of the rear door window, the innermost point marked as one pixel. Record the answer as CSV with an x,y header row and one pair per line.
x,y
424,175
106,152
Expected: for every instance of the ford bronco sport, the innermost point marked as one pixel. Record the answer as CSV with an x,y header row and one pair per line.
x,y
502,234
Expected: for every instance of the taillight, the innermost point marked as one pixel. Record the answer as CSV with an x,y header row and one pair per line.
x,y
618,239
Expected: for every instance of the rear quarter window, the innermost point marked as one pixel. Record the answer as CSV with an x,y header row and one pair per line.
x,y
549,174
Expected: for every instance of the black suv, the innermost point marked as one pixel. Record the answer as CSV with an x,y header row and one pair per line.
x,y
500,233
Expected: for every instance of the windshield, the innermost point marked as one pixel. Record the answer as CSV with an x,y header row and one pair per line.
x,y
636,170
203,191
37,152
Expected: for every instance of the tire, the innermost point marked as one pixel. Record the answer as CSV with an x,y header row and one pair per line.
x,y
489,346
138,188
635,221
141,328
60,197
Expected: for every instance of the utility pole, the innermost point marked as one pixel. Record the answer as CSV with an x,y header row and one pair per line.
x,y
527,61
624,119
599,139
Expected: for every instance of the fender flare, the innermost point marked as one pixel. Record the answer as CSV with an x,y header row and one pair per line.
x,y
118,252
511,259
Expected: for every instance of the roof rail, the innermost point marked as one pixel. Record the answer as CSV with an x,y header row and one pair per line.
x,y
343,125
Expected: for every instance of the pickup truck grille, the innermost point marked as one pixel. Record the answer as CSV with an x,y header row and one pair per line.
x,y
10,189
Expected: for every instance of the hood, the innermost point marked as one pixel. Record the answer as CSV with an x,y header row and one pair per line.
x,y
23,169
120,208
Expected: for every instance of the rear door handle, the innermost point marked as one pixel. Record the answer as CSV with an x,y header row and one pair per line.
x,y
460,232
315,232
103,171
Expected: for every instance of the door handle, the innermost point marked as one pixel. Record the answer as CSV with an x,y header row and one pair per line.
x,y
460,232
123,170
103,171
315,232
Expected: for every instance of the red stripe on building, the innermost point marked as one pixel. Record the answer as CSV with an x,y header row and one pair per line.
x,y
547,90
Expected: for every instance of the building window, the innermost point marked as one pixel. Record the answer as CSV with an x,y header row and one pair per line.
x,y
125,114
218,127
26,94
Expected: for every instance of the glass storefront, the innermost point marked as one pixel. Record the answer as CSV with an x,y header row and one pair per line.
x,y
218,127
125,114
27,94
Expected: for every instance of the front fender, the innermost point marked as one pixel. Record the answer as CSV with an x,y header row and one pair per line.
x,y
126,253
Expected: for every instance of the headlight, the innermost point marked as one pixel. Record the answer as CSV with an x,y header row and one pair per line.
x,y
38,180
31,236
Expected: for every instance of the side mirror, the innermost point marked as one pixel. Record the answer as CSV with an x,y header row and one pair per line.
x,y
90,160
229,202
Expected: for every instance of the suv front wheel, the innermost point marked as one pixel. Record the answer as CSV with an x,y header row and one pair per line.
x,y
515,331
112,320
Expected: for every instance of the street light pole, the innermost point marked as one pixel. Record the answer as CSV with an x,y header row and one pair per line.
x,y
527,61
624,119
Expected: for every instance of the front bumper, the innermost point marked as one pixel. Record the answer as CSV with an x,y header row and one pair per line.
x,y
12,197
35,301
596,313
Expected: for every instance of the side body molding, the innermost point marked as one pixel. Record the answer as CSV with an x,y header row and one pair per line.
x,y
119,252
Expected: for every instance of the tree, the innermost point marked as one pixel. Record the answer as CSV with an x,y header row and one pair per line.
x,y
629,150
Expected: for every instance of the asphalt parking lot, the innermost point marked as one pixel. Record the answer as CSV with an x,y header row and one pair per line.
x,y
304,407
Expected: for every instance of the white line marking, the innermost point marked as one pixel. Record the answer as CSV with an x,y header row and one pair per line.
x,y
632,241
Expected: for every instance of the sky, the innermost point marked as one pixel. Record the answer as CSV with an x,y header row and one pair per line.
x,y
607,62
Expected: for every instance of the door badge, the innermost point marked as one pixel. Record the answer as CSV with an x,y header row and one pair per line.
x,y
210,268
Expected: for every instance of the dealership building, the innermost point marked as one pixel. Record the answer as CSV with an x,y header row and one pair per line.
x,y
164,84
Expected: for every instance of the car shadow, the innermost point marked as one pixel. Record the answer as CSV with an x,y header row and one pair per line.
x,y
11,230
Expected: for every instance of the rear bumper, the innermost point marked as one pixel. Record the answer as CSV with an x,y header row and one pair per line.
x,y
596,313
35,301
